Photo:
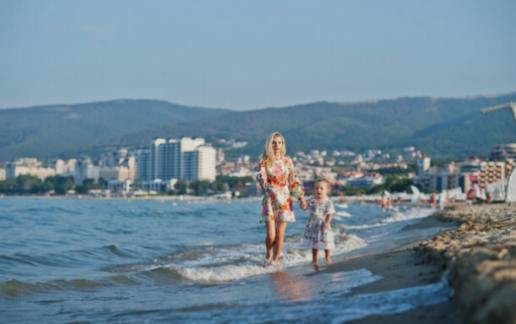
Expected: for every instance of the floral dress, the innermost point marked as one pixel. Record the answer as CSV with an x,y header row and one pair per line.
x,y
280,185
315,235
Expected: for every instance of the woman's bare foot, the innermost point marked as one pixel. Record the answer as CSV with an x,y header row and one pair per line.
x,y
267,262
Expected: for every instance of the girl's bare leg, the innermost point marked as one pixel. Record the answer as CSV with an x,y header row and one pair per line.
x,y
315,256
280,238
270,239
327,256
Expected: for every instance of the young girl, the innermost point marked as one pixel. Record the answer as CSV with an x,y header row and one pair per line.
x,y
318,233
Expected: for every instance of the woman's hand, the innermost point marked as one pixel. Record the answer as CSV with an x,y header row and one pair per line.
x,y
302,203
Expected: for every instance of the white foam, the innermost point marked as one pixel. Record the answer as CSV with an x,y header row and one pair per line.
x,y
396,216
341,214
207,270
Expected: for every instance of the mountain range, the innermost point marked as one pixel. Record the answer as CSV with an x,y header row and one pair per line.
x,y
441,127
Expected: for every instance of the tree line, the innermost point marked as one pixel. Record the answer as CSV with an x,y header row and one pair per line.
x,y
60,185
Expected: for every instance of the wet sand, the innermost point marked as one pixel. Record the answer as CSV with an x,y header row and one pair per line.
x,y
401,268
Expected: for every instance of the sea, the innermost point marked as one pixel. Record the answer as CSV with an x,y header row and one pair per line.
x,y
148,261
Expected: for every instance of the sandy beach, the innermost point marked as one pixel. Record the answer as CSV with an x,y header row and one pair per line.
x,y
477,257
480,256
401,268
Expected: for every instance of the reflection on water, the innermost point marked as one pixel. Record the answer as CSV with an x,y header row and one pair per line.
x,y
291,288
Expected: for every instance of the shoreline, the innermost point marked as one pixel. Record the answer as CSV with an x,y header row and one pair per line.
x,y
400,268
480,256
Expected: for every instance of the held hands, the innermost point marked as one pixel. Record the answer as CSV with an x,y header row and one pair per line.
x,y
302,203
326,226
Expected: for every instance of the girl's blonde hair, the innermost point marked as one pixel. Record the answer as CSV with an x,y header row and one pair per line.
x,y
326,182
268,153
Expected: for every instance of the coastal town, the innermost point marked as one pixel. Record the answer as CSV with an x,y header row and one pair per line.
x,y
192,166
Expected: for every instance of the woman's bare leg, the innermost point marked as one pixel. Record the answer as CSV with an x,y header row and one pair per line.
x,y
280,238
270,239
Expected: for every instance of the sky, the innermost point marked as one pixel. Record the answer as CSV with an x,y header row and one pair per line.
x,y
253,54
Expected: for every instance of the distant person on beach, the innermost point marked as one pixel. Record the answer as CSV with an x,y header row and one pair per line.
x,y
318,232
443,200
433,200
386,201
280,185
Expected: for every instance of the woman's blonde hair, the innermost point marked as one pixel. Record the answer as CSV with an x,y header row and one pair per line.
x,y
268,153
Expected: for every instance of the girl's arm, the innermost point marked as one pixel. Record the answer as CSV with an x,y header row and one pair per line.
x,y
329,215
327,221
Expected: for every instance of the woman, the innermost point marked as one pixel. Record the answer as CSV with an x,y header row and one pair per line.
x,y
278,180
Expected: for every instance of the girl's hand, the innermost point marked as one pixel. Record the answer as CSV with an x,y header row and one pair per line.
x,y
302,203
326,226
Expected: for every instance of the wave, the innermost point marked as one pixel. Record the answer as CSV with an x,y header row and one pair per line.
x,y
396,216
218,264
14,288
340,214
17,263
248,261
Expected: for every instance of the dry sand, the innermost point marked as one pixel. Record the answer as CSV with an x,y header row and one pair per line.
x,y
481,257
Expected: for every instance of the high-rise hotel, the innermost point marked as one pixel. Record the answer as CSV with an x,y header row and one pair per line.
x,y
183,159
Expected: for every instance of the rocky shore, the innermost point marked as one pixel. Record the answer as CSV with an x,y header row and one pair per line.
x,y
480,256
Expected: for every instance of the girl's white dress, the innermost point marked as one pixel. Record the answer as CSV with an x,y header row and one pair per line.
x,y
315,235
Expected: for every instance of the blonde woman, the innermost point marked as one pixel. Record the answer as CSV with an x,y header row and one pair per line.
x,y
280,185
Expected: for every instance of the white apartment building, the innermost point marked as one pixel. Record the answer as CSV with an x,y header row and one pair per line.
x,y
29,166
206,163
65,168
2,174
185,159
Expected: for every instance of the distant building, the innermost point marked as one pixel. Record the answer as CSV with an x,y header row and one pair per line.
x,y
65,168
206,163
85,169
143,165
124,186
460,175
28,166
117,165
423,164
2,174
185,159
491,172
439,181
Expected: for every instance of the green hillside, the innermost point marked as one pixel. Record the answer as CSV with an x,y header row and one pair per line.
x,y
442,127
67,130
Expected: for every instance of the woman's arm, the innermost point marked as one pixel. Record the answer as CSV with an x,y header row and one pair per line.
x,y
261,175
295,186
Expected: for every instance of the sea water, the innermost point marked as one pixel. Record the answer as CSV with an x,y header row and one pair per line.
x,y
133,261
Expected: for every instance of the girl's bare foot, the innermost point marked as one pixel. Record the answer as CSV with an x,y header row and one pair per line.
x,y
329,261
